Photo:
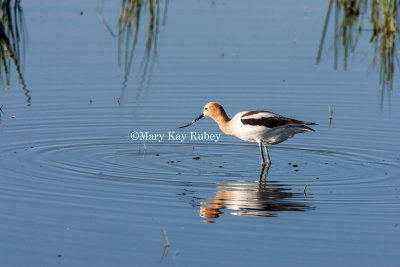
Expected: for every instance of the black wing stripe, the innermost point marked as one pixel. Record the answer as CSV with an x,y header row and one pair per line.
x,y
272,122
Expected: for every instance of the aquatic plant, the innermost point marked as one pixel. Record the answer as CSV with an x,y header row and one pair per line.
x,y
133,13
12,42
349,24
385,19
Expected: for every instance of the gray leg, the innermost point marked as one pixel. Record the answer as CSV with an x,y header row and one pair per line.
x,y
263,174
262,169
262,155
266,152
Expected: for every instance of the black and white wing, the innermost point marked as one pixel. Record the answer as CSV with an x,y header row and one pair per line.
x,y
272,120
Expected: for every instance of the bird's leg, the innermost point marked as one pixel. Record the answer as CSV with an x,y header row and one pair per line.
x,y
262,169
262,155
263,175
266,152
266,171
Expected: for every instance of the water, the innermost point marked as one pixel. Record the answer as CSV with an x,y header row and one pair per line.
x,y
76,190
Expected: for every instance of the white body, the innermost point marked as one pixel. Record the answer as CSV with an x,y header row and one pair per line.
x,y
263,134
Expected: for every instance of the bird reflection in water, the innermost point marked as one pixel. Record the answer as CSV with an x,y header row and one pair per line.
x,y
259,198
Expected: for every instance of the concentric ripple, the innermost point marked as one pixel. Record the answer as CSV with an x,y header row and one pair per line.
x,y
201,164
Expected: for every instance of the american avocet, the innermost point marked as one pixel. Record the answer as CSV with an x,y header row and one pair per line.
x,y
262,127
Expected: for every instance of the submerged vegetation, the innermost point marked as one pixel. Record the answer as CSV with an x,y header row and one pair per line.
x,y
351,20
12,42
133,14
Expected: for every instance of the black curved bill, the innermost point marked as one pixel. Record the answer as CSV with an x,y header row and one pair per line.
x,y
198,118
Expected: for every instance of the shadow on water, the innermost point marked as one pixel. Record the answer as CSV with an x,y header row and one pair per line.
x,y
349,25
133,14
13,39
260,198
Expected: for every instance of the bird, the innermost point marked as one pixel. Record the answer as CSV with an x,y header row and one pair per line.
x,y
262,127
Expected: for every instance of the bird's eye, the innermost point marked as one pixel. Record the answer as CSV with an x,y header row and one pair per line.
x,y
205,108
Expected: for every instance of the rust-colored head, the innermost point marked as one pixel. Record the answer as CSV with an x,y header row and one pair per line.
x,y
212,109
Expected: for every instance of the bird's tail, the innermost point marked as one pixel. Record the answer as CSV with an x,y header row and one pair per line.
x,y
307,129
304,128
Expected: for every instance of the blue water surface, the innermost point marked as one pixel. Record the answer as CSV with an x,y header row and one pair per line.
x,y
76,190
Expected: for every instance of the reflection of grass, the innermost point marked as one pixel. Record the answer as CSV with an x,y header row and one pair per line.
x,y
347,29
12,41
384,18
128,31
132,14
348,26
